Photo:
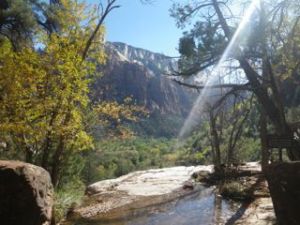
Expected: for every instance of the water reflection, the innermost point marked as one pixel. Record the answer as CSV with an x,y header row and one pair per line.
x,y
202,208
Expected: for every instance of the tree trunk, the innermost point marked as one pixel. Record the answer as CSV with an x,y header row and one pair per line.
x,y
29,155
46,152
57,157
48,142
263,140
56,162
215,141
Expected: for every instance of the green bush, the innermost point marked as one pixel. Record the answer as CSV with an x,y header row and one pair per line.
x,y
235,190
113,158
67,197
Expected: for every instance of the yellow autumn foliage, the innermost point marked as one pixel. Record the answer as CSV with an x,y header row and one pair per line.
x,y
112,115
43,93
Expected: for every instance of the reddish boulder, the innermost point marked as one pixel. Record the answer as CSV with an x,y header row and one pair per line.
x,y
26,194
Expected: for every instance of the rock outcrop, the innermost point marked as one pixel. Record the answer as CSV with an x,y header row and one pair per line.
x,y
26,194
118,198
145,194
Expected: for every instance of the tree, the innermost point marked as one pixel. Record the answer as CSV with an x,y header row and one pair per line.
x,y
227,118
261,57
44,94
21,20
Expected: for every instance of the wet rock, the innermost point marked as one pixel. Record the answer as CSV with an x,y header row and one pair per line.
x,y
26,194
188,185
117,198
201,176
126,196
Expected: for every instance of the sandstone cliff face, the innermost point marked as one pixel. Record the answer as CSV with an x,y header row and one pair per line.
x,y
153,61
139,73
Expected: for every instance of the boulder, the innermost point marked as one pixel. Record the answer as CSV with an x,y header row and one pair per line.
x,y
188,185
26,194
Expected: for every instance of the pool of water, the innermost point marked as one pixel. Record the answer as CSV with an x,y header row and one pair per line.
x,y
202,208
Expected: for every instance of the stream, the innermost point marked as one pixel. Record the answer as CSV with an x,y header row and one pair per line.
x,y
201,208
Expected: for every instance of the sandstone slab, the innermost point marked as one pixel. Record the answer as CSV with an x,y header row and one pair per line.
x,y
116,198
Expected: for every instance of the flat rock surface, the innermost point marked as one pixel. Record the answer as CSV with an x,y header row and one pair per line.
x,y
259,212
149,182
106,199
121,197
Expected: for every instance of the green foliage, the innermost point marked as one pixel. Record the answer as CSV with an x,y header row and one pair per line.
x,y
44,95
237,135
248,149
235,190
17,20
293,114
201,46
187,46
158,125
113,158
196,149
67,197
21,20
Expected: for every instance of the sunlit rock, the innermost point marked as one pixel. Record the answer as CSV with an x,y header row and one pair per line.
x,y
112,199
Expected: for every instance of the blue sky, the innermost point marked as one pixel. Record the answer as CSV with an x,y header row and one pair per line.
x,y
145,26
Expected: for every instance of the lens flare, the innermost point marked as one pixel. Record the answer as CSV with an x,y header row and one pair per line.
x,y
194,117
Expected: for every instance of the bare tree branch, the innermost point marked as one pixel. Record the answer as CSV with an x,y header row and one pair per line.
x,y
199,87
109,7
233,91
